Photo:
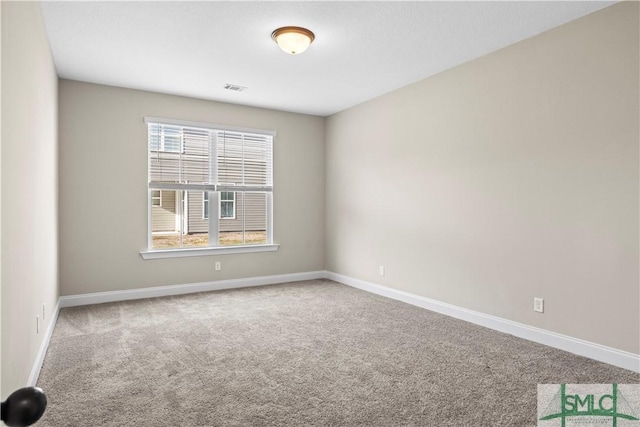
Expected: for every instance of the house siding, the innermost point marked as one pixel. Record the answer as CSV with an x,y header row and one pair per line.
x,y
253,208
164,216
197,224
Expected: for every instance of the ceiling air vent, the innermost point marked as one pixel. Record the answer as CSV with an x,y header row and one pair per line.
x,y
235,88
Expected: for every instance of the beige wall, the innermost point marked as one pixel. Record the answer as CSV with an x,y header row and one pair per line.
x,y
29,188
1,395
103,190
509,177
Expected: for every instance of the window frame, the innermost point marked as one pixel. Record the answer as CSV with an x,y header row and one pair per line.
x,y
159,198
233,203
205,205
215,190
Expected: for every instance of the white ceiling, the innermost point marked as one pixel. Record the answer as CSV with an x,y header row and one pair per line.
x,y
362,49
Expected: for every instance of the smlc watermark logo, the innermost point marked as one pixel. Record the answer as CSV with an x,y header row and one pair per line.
x,y
575,405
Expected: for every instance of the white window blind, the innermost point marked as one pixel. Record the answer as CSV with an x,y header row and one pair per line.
x,y
209,160
165,138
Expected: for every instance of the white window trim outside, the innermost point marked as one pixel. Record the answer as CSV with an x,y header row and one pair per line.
x,y
159,198
234,205
205,205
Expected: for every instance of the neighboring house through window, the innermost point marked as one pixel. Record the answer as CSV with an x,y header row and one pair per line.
x,y
227,205
156,198
165,138
219,180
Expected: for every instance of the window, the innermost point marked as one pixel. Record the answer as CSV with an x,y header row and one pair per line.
x,y
214,184
156,198
227,205
165,138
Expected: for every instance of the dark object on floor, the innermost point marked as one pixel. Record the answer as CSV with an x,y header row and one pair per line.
x,y
24,407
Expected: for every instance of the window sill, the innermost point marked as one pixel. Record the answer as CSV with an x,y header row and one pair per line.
x,y
180,253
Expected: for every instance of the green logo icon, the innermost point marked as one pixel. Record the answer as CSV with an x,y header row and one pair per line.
x,y
588,404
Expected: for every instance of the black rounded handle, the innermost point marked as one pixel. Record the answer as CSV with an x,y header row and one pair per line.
x,y
24,407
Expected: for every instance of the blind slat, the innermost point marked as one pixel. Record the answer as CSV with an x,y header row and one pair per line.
x,y
181,156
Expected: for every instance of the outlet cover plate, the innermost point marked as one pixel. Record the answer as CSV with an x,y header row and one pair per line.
x,y
538,305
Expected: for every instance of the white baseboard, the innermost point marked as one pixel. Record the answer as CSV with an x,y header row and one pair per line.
x,y
161,291
44,345
157,291
612,356
588,349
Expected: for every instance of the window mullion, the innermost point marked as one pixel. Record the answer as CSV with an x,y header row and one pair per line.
x,y
180,158
269,214
244,213
244,199
214,225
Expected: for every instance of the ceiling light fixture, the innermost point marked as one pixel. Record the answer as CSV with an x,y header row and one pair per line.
x,y
293,40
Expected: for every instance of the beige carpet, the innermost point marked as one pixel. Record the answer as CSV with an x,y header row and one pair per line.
x,y
306,353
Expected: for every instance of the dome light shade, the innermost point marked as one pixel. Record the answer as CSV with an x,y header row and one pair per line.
x,y
293,40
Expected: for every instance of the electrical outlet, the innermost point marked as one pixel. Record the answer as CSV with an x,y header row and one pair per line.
x,y
218,266
37,324
44,310
538,305
382,270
